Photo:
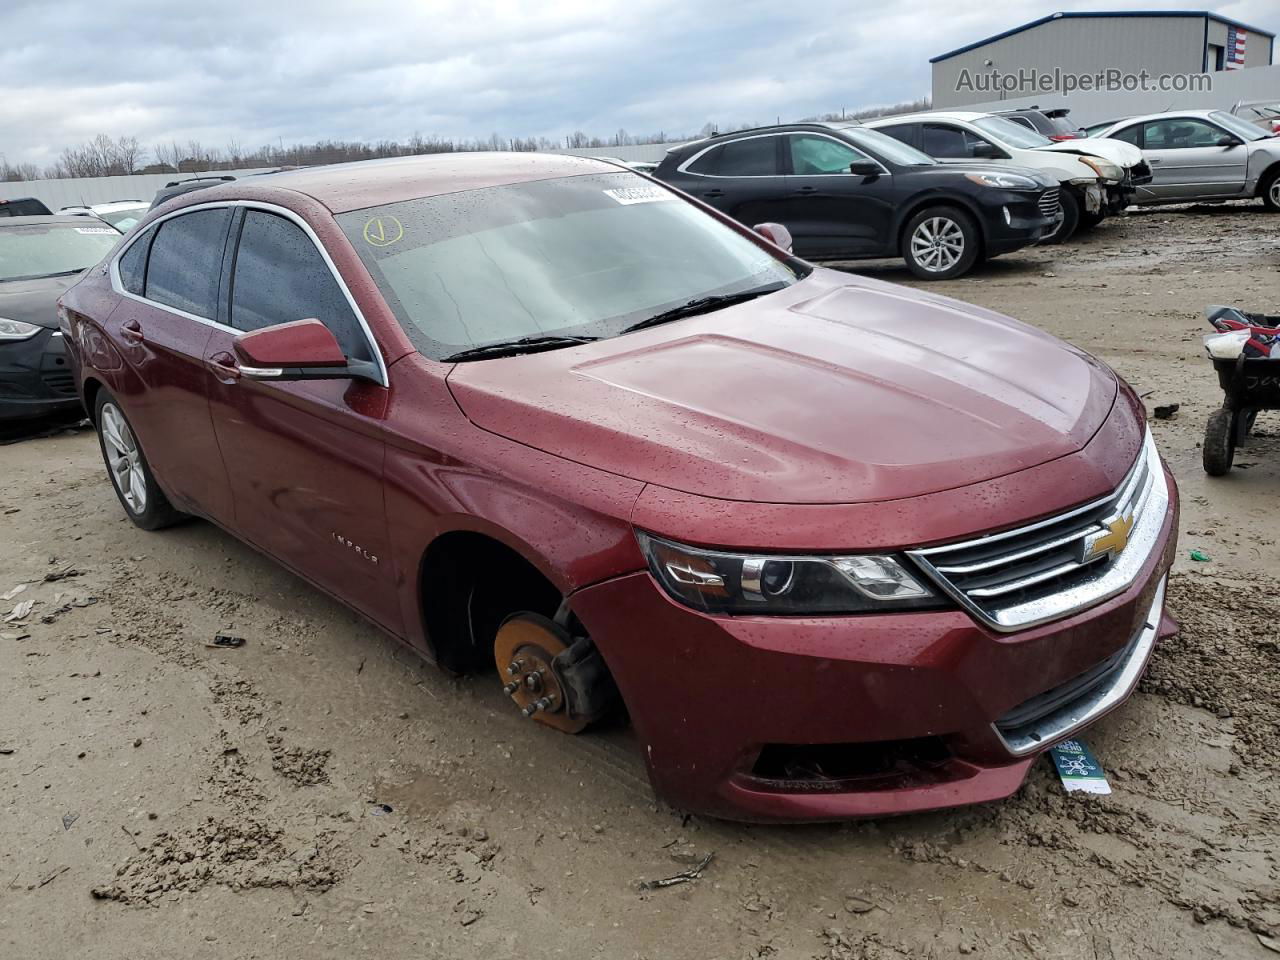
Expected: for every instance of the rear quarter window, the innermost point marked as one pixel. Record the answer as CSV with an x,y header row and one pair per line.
x,y
133,265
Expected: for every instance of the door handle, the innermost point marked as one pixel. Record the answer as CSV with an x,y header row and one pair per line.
x,y
1153,160
806,190
131,331
224,366
713,194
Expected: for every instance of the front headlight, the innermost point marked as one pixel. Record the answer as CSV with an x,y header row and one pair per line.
x,y
741,583
17,329
1103,168
1010,181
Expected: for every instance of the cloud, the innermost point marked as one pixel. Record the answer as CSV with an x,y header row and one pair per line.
x,y
261,72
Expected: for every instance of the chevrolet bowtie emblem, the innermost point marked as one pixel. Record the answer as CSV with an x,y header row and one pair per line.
x,y
1109,542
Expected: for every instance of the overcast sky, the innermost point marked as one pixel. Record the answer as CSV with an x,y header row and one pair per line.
x,y
260,71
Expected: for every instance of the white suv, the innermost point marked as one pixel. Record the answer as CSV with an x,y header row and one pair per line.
x,y
1098,177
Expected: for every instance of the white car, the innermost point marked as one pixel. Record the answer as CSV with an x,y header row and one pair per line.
x,y
1098,177
121,214
1202,156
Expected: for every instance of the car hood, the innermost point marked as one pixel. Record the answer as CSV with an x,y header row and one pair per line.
x,y
1117,151
34,301
836,390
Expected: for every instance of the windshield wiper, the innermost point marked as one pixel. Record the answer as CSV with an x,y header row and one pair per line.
x,y
510,348
702,305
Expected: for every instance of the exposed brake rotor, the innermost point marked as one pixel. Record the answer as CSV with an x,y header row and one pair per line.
x,y
523,650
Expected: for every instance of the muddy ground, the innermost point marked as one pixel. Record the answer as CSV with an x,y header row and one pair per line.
x,y
322,793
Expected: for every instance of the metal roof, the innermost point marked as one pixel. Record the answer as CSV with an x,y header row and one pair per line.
x,y
1114,13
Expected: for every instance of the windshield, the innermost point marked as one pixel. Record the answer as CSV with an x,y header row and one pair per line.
x,y
886,147
1241,128
44,249
583,256
124,219
1261,111
1011,134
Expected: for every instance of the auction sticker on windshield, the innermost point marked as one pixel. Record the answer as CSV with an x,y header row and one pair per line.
x,y
639,194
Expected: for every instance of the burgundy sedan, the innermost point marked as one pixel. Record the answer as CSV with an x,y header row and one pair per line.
x,y
838,548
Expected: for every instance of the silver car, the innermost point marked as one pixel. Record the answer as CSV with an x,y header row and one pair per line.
x,y
1202,155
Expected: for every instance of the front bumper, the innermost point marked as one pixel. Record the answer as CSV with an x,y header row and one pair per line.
x,y
903,712
1018,220
36,378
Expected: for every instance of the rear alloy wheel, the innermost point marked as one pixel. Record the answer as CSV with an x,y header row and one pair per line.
x,y
1071,213
1271,192
940,243
139,494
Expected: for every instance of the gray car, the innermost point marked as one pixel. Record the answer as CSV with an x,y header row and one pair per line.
x,y
1202,156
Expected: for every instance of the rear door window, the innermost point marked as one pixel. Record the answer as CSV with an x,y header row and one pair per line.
x,y
280,277
1131,134
752,157
186,261
940,140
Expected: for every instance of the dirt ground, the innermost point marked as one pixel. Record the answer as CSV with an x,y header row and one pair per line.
x,y
322,793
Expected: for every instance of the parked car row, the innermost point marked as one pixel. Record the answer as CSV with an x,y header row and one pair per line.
x,y
943,190
836,547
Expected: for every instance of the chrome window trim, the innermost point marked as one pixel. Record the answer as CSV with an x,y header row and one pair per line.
x,y
118,286
683,168
1062,723
1149,511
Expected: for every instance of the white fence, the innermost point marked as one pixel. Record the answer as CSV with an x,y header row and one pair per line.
x,y
55,194
1098,106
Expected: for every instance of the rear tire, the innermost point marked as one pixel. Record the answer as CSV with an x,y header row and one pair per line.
x,y
940,243
1270,191
136,488
1071,211
1219,450
1090,220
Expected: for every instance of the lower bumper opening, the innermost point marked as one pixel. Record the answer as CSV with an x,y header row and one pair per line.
x,y
878,765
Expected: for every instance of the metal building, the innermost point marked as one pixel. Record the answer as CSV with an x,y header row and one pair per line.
x,y
1163,43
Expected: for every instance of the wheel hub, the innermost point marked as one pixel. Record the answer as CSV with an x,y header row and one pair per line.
x,y
523,651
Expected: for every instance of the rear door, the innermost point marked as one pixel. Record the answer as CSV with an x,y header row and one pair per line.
x,y
830,211
740,177
168,279
305,459
1187,161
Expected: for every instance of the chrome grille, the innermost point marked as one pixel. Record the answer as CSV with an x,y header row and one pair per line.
x,y
1057,566
1050,202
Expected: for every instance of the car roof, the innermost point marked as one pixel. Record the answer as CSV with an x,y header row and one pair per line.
x,y
1168,114
799,126
72,219
964,115
343,187
118,205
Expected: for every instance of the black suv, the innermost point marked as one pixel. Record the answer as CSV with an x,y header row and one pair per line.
x,y
846,192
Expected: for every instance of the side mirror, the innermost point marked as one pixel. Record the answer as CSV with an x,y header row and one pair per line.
x,y
301,350
775,233
1229,140
986,151
865,168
